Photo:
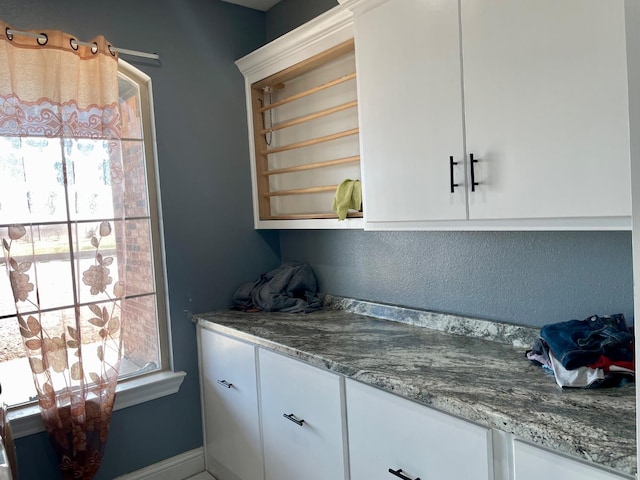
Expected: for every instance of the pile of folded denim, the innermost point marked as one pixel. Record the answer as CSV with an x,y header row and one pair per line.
x,y
594,352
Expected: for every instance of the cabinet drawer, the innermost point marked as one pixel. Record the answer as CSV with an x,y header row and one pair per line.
x,y
533,463
313,448
230,407
388,432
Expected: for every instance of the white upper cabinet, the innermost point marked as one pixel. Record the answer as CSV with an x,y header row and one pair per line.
x,y
535,90
546,108
409,83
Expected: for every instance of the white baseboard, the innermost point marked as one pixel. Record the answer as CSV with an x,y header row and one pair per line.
x,y
180,467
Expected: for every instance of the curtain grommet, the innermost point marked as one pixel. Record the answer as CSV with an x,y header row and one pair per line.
x,y
74,44
111,50
9,35
42,42
94,48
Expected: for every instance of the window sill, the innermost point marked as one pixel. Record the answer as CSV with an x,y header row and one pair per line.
x,y
26,420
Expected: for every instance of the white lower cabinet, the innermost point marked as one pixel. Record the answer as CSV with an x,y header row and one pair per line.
x,y
391,437
271,417
302,420
534,463
230,408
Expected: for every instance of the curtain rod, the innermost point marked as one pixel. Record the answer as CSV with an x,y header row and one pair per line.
x,y
74,44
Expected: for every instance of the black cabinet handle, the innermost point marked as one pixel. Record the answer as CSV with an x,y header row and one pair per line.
x,y
224,383
398,473
451,180
293,418
473,161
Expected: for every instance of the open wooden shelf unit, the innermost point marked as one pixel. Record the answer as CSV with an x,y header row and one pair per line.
x,y
305,123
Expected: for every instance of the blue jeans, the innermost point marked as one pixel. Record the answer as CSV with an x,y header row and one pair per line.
x,y
577,343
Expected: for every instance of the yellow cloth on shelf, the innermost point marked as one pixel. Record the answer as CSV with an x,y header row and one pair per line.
x,y
348,197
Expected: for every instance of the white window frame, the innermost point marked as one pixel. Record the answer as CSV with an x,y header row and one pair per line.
x,y
25,418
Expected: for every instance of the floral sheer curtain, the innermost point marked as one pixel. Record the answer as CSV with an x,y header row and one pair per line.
x,y
60,129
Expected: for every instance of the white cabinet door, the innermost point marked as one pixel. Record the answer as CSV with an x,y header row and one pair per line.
x,y
546,107
302,420
230,407
410,111
387,432
533,463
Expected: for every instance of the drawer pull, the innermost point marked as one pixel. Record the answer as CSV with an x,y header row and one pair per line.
x,y
451,179
398,473
473,161
224,383
293,418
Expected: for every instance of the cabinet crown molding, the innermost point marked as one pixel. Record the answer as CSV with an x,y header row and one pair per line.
x,y
294,45
358,7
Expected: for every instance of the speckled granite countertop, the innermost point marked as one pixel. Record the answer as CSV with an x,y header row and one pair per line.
x,y
471,368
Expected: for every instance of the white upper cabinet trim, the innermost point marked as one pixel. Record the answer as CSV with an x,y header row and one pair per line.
x,y
358,7
321,33
314,37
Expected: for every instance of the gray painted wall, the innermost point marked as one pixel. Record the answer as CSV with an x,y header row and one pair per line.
x,y
528,278
289,14
205,184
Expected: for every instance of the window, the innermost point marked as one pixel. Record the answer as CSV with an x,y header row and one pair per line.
x,y
33,192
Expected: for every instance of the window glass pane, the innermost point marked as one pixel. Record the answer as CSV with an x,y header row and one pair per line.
x,y
12,187
17,377
90,186
140,342
15,374
51,273
32,190
97,260
137,202
92,340
140,272
46,249
6,295
130,110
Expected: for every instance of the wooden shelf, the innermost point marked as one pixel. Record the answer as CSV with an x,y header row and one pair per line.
x,y
302,191
310,216
311,141
308,118
306,93
311,166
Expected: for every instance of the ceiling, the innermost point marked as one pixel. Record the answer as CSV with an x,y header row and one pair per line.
x,y
263,5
